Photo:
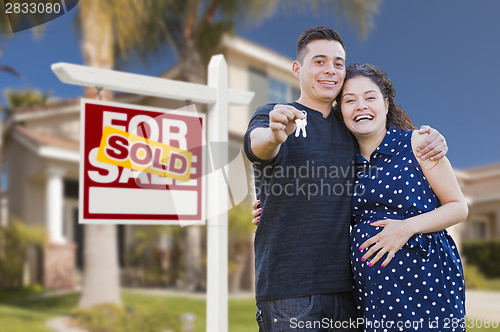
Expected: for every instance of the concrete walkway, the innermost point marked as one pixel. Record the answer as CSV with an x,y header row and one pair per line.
x,y
481,304
63,324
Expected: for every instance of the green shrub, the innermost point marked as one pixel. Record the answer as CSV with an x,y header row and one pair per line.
x,y
113,318
15,239
145,255
494,285
14,294
240,229
474,279
485,254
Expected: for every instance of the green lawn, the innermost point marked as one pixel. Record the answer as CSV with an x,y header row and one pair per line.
x,y
24,316
493,284
31,315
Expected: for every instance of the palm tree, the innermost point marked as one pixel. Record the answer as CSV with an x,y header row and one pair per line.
x,y
108,28
25,97
3,112
193,29
8,69
4,68
4,22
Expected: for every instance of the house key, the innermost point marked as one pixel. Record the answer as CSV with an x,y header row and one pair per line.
x,y
301,125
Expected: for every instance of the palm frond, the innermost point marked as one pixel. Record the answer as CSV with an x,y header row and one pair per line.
x,y
10,70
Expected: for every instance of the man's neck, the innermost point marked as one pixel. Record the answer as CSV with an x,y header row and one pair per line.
x,y
324,108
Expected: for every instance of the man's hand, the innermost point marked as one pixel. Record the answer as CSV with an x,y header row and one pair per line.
x,y
282,121
265,142
433,147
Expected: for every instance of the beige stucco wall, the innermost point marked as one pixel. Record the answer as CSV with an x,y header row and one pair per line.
x,y
238,116
481,187
486,212
22,165
34,203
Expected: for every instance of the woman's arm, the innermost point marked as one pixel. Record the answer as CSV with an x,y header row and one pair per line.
x,y
443,182
453,210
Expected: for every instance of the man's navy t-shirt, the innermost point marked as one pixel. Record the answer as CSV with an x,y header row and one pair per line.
x,y
302,240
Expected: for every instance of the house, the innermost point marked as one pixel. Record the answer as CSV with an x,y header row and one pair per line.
x,y
41,160
481,187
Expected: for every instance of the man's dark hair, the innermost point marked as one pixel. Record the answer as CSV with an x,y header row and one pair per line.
x,y
315,33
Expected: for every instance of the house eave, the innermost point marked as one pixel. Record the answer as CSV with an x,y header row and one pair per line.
x,y
47,151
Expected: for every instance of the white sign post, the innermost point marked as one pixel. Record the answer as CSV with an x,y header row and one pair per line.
x,y
218,96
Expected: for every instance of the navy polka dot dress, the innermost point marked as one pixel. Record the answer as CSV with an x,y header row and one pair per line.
x,y
422,288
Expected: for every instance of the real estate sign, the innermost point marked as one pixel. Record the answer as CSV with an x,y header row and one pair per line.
x,y
141,165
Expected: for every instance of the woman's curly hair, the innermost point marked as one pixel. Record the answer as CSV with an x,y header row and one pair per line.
x,y
396,116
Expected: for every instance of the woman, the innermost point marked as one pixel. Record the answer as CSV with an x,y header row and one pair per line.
x,y
406,267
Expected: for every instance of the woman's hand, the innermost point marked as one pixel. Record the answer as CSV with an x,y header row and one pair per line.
x,y
256,212
392,238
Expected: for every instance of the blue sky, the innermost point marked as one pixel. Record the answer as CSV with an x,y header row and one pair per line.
x,y
442,57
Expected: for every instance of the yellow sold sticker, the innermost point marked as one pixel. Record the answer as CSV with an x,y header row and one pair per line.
x,y
132,151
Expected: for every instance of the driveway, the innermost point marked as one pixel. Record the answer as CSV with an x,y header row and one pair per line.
x,y
481,304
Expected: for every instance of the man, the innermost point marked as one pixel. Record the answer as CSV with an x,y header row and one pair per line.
x,y
303,275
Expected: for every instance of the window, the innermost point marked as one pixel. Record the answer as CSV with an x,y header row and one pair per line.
x,y
258,84
5,179
480,228
278,91
269,90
